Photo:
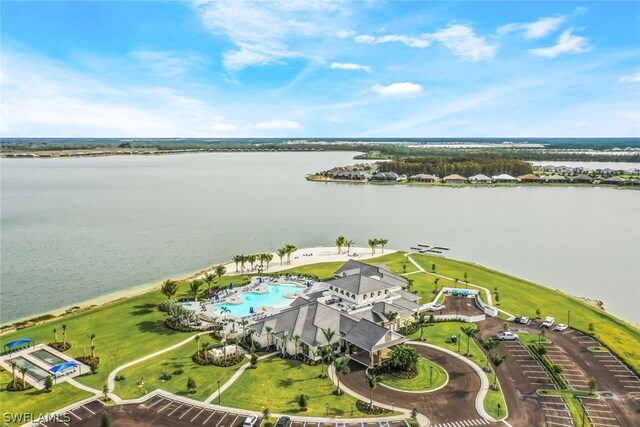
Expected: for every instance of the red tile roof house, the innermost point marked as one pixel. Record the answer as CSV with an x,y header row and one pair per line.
x,y
454,179
529,178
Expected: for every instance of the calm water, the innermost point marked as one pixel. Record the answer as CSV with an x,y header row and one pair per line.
x,y
74,229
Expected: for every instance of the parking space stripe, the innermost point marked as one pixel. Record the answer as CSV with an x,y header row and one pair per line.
x,y
210,415
74,414
225,414
179,406
197,415
165,406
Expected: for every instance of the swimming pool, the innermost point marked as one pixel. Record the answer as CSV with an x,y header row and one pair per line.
x,y
33,370
47,357
275,298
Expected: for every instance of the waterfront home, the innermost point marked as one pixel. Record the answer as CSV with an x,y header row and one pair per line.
x,y
423,177
554,179
357,305
454,179
504,178
634,182
529,178
480,179
584,179
614,180
352,176
386,176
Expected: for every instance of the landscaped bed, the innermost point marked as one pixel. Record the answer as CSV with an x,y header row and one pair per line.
x,y
421,382
277,383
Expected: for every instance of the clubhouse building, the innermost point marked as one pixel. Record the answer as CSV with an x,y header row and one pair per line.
x,y
364,306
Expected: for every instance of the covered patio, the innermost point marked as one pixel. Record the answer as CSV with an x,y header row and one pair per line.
x,y
369,344
18,345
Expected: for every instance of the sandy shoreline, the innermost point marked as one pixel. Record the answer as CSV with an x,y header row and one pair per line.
x,y
317,254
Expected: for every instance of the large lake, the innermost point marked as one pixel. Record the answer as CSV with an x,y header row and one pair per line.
x,y
75,229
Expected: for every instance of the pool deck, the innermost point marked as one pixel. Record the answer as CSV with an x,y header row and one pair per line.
x,y
5,362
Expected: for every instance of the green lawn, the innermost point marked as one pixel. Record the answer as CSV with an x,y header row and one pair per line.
x,y
527,338
125,330
519,296
276,384
324,270
394,262
35,401
422,381
206,377
423,285
491,402
571,398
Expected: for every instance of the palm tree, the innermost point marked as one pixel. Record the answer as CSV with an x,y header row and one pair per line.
x,y
268,257
243,260
296,340
269,329
197,338
252,260
92,337
341,366
64,336
340,242
251,332
490,344
285,337
281,253
169,288
209,279
435,282
224,347
93,352
328,335
14,365
237,259
55,336
372,244
391,316
225,309
372,381
470,332
261,258
421,321
23,370
497,360
348,244
289,249
220,271
244,323
466,279
195,287
383,242
322,353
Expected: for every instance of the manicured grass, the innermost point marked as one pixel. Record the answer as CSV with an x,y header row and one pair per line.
x,y
35,401
422,381
519,296
277,383
125,330
206,377
491,402
571,398
424,285
527,338
324,270
394,262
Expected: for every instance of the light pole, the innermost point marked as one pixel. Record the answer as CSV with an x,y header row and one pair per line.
x,y
569,318
218,392
430,376
327,410
498,411
458,343
352,410
393,406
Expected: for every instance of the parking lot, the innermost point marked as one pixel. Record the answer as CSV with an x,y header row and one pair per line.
x,y
531,369
555,411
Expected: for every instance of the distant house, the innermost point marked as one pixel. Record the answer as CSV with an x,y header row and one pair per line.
x,y
584,179
634,182
504,178
554,179
402,177
454,179
614,180
607,171
423,177
529,178
385,176
480,179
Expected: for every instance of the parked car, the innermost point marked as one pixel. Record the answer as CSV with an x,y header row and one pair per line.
x,y
560,327
437,307
250,421
524,320
548,322
283,422
507,336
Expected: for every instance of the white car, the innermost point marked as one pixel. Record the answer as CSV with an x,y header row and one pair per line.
x,y
250,421
524,320
548,322
560,327
507,336
437,307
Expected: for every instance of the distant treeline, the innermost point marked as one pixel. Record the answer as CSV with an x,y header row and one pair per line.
x,y
443,166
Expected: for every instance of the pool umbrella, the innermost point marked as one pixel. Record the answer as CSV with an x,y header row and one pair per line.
x,y
251,310
230,286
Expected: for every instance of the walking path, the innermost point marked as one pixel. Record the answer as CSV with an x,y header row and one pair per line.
x,y
235,377
486,291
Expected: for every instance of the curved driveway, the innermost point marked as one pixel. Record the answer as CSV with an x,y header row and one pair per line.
x,y
454,402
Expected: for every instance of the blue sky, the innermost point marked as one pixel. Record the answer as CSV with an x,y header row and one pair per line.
x,y
320,68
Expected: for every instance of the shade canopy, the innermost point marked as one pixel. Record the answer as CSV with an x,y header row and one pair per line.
x,y
63,366
17,343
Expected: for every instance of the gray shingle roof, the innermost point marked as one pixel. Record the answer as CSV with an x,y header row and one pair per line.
x,y
359,284
353,267
366,334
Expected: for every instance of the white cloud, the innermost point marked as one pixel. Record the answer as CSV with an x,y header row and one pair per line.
x,y
166,63
536,29
278,125
631,78
462,41
345,34
567,44
396,89
349,66
262,31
